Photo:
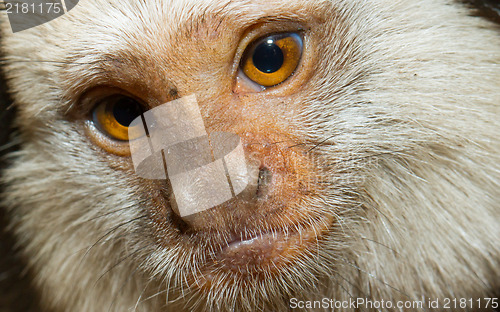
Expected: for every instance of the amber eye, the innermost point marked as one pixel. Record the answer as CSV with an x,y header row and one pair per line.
x,y
114,114
273,59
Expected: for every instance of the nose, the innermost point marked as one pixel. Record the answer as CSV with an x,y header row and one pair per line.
x,y
216,203
208,171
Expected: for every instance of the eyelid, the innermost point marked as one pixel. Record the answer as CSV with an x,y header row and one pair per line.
x,y
261,30
104,119
119,148
292,46
88,100
243,81
100,127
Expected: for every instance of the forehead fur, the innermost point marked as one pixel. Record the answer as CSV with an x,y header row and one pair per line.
x,y
179,39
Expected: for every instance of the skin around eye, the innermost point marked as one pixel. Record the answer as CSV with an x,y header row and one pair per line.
x,y
273,59
114,114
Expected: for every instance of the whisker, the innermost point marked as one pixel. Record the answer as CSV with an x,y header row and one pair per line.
x,y
120,261
321,143
122,286
379,243
11,61
375,277
296,145
108,233
356,287
140,299
107,214
269,144
342,287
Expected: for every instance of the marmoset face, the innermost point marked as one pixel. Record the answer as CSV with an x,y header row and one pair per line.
x,y
365,134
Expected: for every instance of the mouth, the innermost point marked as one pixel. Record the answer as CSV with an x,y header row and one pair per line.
x,y
267,252
245,244
250,257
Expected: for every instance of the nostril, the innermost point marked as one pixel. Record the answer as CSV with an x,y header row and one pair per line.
x,y
263,182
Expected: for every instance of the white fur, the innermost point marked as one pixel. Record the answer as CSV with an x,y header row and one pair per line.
x,y
407,91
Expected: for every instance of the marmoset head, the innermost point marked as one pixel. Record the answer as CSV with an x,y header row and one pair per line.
x,y
366,134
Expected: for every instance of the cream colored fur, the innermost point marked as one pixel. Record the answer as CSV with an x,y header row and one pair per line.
x,y
408,93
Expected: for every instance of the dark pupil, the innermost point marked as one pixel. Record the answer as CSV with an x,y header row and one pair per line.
x,y
126,110
268,57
